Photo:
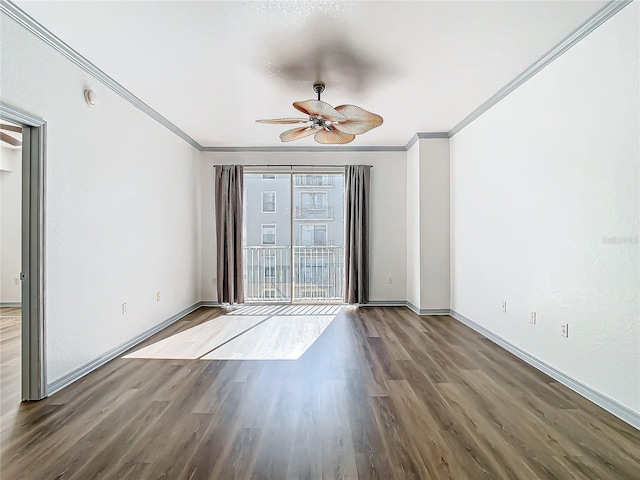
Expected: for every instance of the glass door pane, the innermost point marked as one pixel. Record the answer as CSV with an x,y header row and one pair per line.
x,y
318,237
267,237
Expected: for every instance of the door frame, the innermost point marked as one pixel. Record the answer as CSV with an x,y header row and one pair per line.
x,y
34,134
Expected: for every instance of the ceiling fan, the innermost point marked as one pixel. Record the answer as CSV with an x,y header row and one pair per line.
x,y
10,139
330,125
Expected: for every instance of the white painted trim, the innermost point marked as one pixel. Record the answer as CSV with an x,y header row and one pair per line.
x,y
593,22
609,404
79,372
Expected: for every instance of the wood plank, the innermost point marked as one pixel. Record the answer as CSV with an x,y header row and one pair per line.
x,y
381,393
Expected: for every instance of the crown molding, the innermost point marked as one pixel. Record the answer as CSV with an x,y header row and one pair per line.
x,y
353,148
18,116
593,22
22,18
420,135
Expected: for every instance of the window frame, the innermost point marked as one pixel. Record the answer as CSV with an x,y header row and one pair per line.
x,y
275,233
326,234
275,200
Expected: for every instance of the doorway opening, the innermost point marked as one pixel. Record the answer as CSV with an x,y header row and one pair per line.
x,y
293,236
31,274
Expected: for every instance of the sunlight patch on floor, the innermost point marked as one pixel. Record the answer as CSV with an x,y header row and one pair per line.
x,y
278,338
285,310
259,334
198,340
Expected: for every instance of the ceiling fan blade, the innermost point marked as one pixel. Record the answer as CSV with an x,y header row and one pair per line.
x,y
318,107
10,140
10,128
296,133
333,137
284,120
358,120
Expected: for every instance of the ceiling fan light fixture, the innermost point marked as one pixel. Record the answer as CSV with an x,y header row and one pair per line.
x,y
331,125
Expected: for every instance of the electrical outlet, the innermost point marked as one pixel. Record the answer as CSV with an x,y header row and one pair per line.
x,y
390,280
158,297
16,281
215,281
565,330
124,309
504,307
533,318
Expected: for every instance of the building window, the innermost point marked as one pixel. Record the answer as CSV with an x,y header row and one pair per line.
x,y
313,235
269,234
313,200
268,202
269,176
314,180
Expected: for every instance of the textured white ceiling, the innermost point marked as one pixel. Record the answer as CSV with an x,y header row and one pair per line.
x,y
213,68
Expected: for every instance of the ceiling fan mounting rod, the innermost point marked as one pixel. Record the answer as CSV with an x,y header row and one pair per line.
x,y
318,88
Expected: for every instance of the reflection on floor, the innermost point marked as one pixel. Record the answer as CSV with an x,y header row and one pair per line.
x,y
273,332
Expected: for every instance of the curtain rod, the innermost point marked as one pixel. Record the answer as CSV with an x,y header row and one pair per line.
x,y
292,166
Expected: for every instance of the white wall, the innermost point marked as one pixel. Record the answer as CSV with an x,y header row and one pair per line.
x,y
122,209
413,225
541,184
10,224
388,212
428,224
434,223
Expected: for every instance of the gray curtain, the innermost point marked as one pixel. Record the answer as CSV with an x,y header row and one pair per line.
x,y
229,233
356,245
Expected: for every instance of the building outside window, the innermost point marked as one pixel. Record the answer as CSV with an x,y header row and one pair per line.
x,y
313,200
313,235
269,234
268,202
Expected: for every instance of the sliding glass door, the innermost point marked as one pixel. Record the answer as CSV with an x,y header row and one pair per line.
x,y
266,237
293,237
318,228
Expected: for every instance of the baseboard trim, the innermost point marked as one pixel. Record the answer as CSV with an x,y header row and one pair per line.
x,y
612,406
210,303
79,372
409,305
10,304
426,311
383,303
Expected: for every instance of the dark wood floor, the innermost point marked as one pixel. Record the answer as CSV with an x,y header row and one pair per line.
x,y
382,393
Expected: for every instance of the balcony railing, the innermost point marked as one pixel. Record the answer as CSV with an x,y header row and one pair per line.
x,y
318,273
314,212
313,180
